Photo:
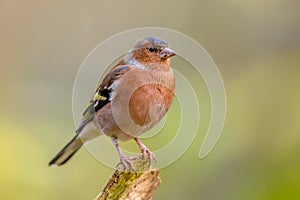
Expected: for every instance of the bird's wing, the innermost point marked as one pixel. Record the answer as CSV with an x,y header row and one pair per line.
x,y
102,95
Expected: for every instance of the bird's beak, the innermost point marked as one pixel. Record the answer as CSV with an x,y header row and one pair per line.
x,y
167,53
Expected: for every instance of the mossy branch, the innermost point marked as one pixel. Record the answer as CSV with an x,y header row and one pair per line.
x,y
128,185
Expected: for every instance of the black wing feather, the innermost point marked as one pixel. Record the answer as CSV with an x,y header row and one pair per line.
x,y
101,96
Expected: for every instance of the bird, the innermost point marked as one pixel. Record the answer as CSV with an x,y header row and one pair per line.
x,y
131,99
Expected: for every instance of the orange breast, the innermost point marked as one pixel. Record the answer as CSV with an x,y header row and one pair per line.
x,y
149,103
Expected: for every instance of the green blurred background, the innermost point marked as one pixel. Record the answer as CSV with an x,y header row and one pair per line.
x,y
256,45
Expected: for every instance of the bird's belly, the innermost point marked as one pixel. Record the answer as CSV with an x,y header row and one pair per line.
x,y
149,103
105,123
146,107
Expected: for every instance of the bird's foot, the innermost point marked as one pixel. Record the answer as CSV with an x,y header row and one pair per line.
x,y
146,152
127,163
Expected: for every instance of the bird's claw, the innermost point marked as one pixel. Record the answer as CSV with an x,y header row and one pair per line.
x,y
126,163
145,151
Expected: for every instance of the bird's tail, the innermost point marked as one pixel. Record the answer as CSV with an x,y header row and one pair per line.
x,y
67,152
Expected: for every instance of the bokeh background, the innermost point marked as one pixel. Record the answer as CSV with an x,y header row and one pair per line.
x,y
256,45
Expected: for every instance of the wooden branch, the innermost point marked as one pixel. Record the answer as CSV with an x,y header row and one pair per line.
x,y
128,185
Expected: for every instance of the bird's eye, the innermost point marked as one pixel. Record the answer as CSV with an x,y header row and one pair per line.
x,y
151,49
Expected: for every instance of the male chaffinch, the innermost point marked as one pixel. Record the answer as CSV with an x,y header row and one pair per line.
x,y
132,98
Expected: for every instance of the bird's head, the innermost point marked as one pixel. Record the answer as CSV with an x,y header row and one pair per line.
x,y
150,51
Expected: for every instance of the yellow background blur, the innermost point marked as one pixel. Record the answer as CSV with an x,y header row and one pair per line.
x,y
256,45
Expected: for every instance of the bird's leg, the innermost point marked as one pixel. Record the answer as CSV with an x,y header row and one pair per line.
x,y
145,151
123,160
